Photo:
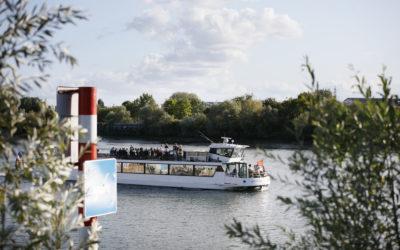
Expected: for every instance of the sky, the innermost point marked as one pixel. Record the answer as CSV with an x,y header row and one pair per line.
x,y
220,49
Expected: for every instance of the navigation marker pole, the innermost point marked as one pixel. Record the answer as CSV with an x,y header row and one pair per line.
x,y
87,141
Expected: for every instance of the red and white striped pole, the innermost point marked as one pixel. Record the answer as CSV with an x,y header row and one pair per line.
x,y
87,141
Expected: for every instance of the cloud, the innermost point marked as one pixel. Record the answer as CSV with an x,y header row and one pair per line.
x,y
152,22
199,42
202,41
211,35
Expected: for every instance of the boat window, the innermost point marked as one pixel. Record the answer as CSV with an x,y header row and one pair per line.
x,y
180,169
231,169
156,168
204,170
133,167
220,169
243,170
226,152
238,152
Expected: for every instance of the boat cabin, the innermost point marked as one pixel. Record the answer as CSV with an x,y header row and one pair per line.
x,y
183,168
227,151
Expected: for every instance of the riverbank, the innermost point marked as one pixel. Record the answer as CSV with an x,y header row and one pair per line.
x,y
264,144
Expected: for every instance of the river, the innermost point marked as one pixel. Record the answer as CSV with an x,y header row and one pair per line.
x,y
169,218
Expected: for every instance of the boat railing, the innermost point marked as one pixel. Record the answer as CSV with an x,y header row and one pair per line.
x,y
207,163
165,157
192,156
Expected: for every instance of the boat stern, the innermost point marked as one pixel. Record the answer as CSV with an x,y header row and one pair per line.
x,y
247,183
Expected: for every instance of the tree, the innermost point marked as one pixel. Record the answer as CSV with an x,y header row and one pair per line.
x,y
30,104
270,120
249,115
223,119
179,108
140,102
100,104
156,121
43,215
351,180
302,102
117,114
101,114
31,107
181,105
190,126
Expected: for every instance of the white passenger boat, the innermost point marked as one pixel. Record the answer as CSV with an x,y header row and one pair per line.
x,y
222,167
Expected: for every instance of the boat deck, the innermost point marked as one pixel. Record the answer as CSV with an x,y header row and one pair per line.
x,y
187,156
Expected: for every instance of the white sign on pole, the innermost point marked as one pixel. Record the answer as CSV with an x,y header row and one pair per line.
x,y
100,187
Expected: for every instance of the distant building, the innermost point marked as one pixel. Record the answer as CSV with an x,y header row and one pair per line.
x,y
350,101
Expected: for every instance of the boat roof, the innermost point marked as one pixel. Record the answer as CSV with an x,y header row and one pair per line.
x,y
227,145
227,142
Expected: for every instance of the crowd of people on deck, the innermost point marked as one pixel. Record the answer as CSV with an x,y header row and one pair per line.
x,y
165,152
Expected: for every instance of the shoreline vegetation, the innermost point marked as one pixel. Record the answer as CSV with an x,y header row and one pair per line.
x,y
270,144
184,117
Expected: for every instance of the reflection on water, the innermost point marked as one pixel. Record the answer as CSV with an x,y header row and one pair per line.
x,y
169,218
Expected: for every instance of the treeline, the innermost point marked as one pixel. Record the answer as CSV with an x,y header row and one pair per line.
x,y
184,115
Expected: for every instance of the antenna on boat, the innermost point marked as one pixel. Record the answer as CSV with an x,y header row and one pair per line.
x,y
205,137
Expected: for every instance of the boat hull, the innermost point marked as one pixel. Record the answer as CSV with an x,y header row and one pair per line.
x,y
217,182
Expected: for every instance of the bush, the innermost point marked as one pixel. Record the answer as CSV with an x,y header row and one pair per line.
x,y
36,209
351,180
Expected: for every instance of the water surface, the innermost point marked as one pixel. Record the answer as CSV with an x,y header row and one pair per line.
x,y
170,218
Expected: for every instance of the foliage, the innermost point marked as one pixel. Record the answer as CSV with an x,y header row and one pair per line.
x,y
139,103
43,211
223,118
36,209
190,126
25,40
30,104
240,117
181,105
31,107
271,118
116,114
250,111
156,120
351,179
100,103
